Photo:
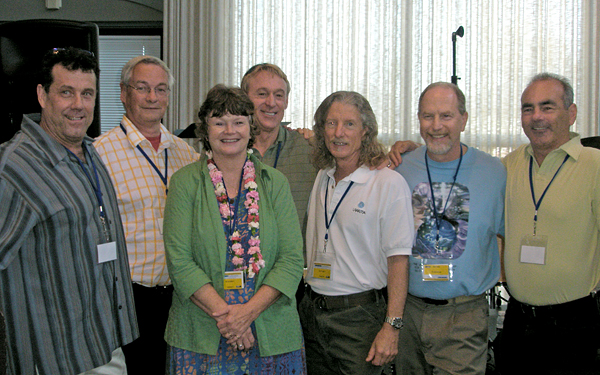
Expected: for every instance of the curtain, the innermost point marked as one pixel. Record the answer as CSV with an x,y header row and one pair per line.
x,y
389,51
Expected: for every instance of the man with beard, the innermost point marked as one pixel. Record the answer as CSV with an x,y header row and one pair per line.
x,y
458,205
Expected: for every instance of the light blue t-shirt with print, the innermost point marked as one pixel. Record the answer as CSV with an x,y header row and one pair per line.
x,y
462,258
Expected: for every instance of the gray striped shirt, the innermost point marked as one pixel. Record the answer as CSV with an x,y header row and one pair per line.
x,y
65,312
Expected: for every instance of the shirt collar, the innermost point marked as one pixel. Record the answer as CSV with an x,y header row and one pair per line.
x,y
53,149
136,137
572,147
359,176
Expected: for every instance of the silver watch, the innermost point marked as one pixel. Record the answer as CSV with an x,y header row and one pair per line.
x,y
397,323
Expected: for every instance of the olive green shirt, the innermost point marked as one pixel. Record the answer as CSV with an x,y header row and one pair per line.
x,y
294,162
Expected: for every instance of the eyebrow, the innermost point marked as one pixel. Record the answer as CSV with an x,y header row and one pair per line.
x,y
545,102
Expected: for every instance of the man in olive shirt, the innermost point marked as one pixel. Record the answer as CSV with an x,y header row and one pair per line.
x,y
284,149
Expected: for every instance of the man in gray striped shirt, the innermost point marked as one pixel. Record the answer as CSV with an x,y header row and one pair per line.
x,y
65,287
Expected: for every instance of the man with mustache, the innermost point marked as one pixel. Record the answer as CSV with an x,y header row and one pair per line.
x,y
141,155
458,206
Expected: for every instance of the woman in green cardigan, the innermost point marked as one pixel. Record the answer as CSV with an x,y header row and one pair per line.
x,y
234,252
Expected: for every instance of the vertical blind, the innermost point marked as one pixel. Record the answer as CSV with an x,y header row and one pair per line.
x,y
113,52
389,51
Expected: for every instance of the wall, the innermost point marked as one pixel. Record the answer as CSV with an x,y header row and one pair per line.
x,y
84,10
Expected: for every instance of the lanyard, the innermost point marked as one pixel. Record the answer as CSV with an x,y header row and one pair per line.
x,y
277,155
164,177
327,220
435,214
232,225
97,189
539,202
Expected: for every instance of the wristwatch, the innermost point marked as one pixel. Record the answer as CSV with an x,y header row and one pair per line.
x,y
397,323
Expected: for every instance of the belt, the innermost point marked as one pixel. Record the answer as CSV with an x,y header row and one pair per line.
x,y
158,289
346,301
449,301
567,309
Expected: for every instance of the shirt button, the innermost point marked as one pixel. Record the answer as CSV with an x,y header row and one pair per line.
x,y
120,307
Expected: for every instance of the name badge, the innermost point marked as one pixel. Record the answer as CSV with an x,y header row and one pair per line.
x,y
233,280
436,272
107,252
533,249
322,271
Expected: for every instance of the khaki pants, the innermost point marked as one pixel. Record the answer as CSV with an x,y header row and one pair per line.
x,y
443,339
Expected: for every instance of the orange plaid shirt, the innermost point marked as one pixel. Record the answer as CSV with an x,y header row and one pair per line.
x,y
141,193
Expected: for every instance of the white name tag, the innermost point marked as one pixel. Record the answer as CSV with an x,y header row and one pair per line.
x,y
107,252
533,249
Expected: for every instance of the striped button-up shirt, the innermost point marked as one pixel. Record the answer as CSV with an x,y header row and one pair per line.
x,y
142,194
65,311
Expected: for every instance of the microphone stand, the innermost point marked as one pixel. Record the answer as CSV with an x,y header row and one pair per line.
x,y
460,32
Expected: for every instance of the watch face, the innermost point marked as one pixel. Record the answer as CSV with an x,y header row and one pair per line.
x,y
395,322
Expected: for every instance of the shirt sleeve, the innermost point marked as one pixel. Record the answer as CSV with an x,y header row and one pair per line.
x,y
16,221
397,223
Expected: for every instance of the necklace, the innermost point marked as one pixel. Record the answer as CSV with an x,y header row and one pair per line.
x,y
248,177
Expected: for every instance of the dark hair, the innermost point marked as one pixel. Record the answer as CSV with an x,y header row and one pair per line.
x,y
70,58
371,151
222,100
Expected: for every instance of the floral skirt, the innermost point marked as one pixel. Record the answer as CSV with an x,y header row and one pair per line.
x,y
227,361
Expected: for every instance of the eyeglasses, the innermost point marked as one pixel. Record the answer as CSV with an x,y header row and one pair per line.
x,y
56,51
160,91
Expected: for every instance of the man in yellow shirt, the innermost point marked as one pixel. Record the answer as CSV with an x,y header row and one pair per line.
x,y
552,250
141,155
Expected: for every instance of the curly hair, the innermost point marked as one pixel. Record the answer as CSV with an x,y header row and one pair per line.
x,y
222,100
371,151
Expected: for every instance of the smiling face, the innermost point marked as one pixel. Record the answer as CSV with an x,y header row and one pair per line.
x,y
268,92
68,106
441,123
344,133
145,110
544,118
228,135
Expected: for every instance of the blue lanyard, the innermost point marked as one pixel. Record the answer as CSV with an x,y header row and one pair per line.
x,y
327,220
164,177
97,188
435,214
539,202
277,155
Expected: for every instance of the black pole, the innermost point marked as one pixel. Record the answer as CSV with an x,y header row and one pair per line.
x,y
460,32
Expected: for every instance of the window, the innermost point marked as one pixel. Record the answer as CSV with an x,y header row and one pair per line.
x,y
114,51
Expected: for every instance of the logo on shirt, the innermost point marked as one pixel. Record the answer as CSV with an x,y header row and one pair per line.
x,y
359,209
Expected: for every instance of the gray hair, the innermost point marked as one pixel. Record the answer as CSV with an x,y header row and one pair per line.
x,y
568,96
127,70
371,151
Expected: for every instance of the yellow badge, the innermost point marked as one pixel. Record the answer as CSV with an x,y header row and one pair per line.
x,y
436,272
234,280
